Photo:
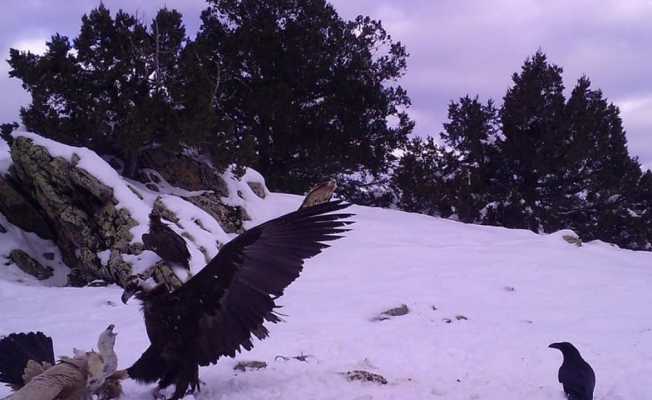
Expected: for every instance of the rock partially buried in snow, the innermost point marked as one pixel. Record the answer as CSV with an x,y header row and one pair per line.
x,y
568,236
182,171
573,240
301,357
29,265
365,376
258,189
392,312
229,217
249,365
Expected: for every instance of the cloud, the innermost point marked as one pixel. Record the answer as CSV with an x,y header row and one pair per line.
x,y
473,47
636,113
34,45
456,47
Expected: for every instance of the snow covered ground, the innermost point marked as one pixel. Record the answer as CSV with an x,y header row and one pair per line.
x,y
484,304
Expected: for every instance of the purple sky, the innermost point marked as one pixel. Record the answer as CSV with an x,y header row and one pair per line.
x,y
456,47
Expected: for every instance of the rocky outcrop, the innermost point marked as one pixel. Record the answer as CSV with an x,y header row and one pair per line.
x,y
60,201
188,173
258,189
230,218
181,171
79,208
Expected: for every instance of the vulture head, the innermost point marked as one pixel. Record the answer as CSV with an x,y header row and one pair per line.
x,y
134,287
142,290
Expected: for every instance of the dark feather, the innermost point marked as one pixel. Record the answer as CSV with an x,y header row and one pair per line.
x,y
18,348
165,242
575,374
219,310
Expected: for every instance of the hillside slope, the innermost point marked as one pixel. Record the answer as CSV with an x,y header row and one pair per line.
x,y
484,304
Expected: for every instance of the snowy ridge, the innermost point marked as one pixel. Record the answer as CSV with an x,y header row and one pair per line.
x,y
484,304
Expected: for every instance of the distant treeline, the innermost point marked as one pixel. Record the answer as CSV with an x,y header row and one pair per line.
x,y
540,162
302,95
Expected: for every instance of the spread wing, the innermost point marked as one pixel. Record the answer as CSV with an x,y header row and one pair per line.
x,y
235,292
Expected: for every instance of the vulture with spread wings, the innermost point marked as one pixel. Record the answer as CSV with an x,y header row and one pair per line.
x,y
218,310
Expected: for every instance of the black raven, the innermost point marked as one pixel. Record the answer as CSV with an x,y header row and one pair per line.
x,y
575,374
217,311
165,242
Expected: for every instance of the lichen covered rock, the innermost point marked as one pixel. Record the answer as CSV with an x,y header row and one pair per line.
x,y
29,265
96,218
229,217
80,209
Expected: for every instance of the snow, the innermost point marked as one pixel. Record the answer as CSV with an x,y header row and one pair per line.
x,y
5,158
519,291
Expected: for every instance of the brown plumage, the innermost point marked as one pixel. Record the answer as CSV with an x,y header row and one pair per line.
x,y
165,242
320,193
216,312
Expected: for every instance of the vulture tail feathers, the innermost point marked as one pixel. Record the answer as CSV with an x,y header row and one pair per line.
x,y
19,348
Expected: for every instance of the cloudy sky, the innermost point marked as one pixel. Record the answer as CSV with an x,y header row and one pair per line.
x,y
456,47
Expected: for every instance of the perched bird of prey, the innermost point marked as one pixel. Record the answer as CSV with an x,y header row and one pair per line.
x,y
320,193
27,366
216,312
575,374
165,242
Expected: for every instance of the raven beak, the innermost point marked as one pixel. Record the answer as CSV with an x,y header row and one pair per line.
x,y
126,295
554,346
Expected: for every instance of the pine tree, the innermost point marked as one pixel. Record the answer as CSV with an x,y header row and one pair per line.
x,y
472,133
605,177
424,178
123,88
533,129
310,88
6,129
547,164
